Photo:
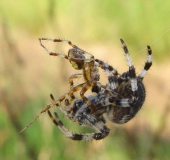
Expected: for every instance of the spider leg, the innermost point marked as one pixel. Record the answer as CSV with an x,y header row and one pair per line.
x,y
132,73
104,131
65,110
58,106
52,53
112,74
74,46
86,86
148,64
62,55
59,124
71,78
110,71
69,93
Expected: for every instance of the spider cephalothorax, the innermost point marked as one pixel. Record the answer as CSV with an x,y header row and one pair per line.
x,y
121,98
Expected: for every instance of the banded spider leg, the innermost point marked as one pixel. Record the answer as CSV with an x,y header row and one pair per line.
x,y
88,120
56,103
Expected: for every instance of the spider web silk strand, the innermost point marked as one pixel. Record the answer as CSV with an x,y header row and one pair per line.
x,y
155,40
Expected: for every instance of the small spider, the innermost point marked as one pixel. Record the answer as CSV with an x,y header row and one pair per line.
x,y
121,98
89,67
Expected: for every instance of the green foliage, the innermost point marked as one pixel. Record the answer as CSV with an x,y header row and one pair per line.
x,y
138,22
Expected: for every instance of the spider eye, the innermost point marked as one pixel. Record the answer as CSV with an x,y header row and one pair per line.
x,y
77,60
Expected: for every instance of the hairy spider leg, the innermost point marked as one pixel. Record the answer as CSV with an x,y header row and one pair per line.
x,y
58,106
132,73
72,90
71,78
110,72
99,125
148,64
89,120
65,110
59,123
86,86
62,55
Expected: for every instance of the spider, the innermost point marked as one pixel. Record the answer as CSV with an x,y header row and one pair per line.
x,y
89,67
121,98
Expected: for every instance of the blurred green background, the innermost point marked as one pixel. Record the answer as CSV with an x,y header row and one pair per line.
x,y
28,75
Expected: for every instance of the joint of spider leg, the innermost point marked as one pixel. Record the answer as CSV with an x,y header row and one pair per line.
x,y
110,68
98,136
58,120
99,62
49,113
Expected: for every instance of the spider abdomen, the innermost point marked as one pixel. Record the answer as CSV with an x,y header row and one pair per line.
x,y
121,113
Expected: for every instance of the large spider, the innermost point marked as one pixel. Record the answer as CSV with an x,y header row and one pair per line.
x,y
121,98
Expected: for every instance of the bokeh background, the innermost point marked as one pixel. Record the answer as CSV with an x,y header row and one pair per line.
x,y
28,75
